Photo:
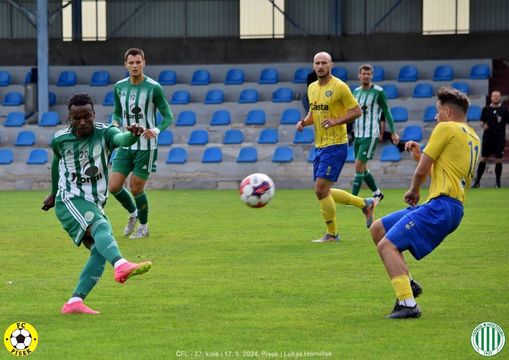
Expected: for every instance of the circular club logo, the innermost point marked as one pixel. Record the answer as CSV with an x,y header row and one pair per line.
x,y
488,339
21,339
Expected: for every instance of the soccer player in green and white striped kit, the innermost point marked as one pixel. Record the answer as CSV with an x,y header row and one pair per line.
x,y
79,187
373,102
137,99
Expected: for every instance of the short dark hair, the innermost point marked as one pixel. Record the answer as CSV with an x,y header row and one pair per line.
x,y
365,67
80,99
134,52
453,97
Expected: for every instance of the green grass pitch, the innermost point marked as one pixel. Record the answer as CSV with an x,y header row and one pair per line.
x,y
233,282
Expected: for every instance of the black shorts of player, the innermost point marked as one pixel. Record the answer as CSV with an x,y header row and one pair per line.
x,y
493,147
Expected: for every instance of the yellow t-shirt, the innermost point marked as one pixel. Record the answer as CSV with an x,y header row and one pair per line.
x,y
455,148
330,101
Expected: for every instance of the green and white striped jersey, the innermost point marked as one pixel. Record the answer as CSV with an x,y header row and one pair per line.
x,y
372,102
83,163
139,104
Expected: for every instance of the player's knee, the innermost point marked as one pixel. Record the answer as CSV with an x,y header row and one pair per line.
x,y
101,227
88,241
377,231
321,193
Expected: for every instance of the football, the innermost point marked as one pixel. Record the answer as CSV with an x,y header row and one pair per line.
x,y
20,339
256,190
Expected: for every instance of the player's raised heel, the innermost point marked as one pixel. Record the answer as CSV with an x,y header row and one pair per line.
x,y
368,211
128,269
77,307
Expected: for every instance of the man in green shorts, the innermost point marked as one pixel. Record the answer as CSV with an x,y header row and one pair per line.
x,y
137,99
373,103
79,187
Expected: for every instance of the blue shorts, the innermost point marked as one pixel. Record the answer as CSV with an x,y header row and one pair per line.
x,y
329,162
422,228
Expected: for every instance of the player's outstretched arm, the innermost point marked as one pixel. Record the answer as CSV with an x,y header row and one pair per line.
x,y
129,137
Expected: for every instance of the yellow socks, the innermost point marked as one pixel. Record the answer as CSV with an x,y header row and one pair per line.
x,y
328,209
343,197
401,285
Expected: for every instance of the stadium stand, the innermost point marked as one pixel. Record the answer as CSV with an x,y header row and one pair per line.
x,y
109,99
180,97
49,118
391,91
220,118
306,136
474,113
283,154
100,78
67,78
25,138
399,113
480,72
233,136
290,116
167,77
268,136
301,75
177,155
423,90
248,96
37,157
443,73
412,132
13,98
350,157
15,119
186,118
5,78
6,156
198,137
408,73
378,73
461,86
255,117
234,77
340,72
165,138
214,96
212,155
282,95
201,77
269,76
247,155
429,113
390,153
52,99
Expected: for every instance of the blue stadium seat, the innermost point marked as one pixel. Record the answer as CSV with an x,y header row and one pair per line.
x,y
109,99
282,95
474,113
282,154
301,74
480,71
212,155
290,116
340,72
37,157
443,73
233,136
165,138
52,99
268,76
248,96
67,78
378,73
350,157
408,73
214,96
15,119
186,118
159,118
390,153
49,118
220,118
412,132
399,113
430,113
5,78
306,136
167,77
13,98
234,77
255,117
268,136
180,97
25,138
100,78
28,77
177,155
200,77
423,90
461,86
6,156
198,137
391,91
311,155
247,155
353,87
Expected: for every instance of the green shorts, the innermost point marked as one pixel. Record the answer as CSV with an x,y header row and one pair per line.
x,y
364,148
77,215
140,162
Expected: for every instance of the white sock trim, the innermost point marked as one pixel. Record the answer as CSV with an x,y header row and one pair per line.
x,y
74,299
119,262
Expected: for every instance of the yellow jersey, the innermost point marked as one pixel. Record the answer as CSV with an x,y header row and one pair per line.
x,y
455,148
330,101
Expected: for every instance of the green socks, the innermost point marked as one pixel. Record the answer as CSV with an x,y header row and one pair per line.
x,y
142,206
125,199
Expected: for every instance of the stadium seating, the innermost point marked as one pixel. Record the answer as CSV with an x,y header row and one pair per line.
x,y
429,113
67,78
165,138
247,155
13,98
290,116
25,138
200,77
391,91
479,72
423,90
233,136
100,78
282,95
255,117
180,97
378,73
234,77
220,118
177,155
28,78
37,157
268,76
109,99
268,136
399,113
301,74
214,96
186,118
248,96
15,119
443,73
350,157
52,99
49,118
390,153
6,156
461,86
198,137
474,113
282,154
408,73
5,78
306,136
412,132
311,155
212,155
167,77
340,72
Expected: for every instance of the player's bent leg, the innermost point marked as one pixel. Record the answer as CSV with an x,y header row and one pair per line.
x,y
105,243
137,184
377,231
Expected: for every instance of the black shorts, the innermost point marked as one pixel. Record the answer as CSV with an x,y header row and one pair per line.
x,y
493,147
